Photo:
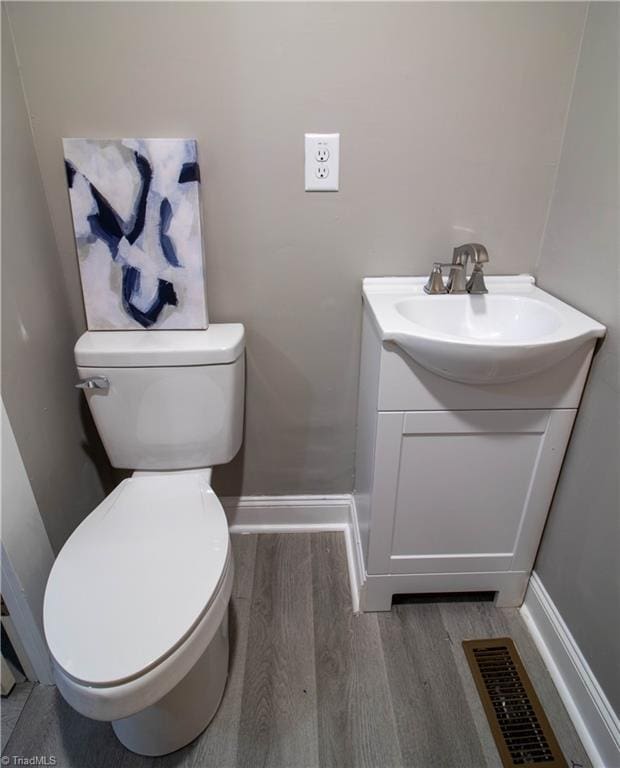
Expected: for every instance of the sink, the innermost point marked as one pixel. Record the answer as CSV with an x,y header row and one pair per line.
x,y
514,331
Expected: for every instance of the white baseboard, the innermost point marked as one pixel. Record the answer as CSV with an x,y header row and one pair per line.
x,y
276,514
593,717
357,558
298,514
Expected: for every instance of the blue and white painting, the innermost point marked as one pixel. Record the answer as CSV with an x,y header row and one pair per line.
x,y
136,216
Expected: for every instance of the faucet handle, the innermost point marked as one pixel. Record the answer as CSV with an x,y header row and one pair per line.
x,y
476,284
434,284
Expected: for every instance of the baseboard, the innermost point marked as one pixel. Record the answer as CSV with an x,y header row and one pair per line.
x,y
280,514
357,557
298,514
595,721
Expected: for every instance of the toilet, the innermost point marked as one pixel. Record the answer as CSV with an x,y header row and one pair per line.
x,y
136,604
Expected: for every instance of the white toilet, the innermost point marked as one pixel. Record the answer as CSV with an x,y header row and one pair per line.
x,y
136,604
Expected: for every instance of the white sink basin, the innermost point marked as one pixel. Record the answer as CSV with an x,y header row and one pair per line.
x,y
514,331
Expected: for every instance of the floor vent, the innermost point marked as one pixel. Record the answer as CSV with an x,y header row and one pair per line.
x,y
518,722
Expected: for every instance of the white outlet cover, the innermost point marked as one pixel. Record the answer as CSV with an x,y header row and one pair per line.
x,y
322,162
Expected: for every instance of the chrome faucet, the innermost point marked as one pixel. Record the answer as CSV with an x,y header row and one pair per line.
x,y
457,280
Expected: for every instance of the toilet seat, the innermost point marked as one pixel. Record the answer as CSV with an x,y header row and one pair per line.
x,y
137,593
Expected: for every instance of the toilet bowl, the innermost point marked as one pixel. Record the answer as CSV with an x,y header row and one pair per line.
x,y
136,605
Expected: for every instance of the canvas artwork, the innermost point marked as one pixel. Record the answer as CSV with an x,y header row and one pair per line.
x,y
136,215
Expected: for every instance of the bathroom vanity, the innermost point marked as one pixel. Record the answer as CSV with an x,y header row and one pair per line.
x,y
466,405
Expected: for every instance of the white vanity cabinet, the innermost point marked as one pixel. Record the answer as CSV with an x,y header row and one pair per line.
x,y
454,481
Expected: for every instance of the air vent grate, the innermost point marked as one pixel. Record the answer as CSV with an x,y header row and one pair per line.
x,y
518,722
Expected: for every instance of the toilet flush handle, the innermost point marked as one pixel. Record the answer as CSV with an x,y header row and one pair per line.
x,y
94,382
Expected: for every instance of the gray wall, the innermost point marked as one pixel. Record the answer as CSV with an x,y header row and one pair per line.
x,y
38,332
578,561
449,133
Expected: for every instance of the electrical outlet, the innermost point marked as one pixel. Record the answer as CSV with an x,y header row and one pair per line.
x,y
322,163
322,155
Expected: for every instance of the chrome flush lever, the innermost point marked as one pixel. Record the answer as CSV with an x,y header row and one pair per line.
x,y
94,382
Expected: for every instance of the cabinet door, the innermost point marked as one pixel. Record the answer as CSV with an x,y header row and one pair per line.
x,y
463,491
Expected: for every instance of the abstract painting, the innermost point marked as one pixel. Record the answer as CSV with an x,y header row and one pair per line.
x,y
136,217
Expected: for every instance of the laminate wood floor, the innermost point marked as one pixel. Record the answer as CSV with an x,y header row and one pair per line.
x,y
312,684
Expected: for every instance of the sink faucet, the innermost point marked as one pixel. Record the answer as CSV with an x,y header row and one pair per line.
x,y
457,280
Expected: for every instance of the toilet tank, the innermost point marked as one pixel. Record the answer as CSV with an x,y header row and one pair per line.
x,y
174,399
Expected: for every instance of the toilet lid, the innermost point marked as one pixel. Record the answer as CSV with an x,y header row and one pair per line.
x,y
135,577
